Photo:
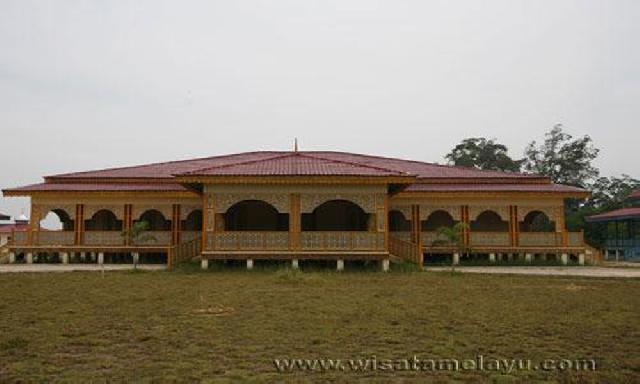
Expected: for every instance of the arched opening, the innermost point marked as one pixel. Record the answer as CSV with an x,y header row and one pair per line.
x,y
193,222
438,219
537,221
336,215
58,220
489,221
103,220
255,215
156,220
397,222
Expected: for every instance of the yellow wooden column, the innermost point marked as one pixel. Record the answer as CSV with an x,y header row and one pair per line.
x,y
79,227
175,224
295,221
34,224
416,229
513,225
466,234
128,221
208,221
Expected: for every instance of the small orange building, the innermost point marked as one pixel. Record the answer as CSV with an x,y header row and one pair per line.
x,y
296,206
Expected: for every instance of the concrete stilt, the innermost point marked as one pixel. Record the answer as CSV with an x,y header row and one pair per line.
x,y
294,264
500,256
29,258
83,256
136,257
249,263
340,265
385,265
606,254
12,258
581,259
456,258
492,257
65,257
204,263
528,257
565,259
100,258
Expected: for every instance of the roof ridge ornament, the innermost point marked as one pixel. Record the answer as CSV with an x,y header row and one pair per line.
x,y
295,144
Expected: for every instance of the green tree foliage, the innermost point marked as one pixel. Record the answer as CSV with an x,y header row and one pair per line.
x,y
609,193
453,236
482,153
562,158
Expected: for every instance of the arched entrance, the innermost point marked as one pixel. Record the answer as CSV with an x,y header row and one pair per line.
x,y
103,220
436,220
156,220
193,222
489,221
255,215
397,222
537,221
336,215
58,219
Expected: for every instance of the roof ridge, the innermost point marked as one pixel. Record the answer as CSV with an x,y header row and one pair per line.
x,y
160,163
357,164
432,163
279,156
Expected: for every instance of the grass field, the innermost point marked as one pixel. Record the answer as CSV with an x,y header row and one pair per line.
x,y
231,325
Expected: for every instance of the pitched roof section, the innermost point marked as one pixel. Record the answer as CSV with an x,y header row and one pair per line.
x,y
618,214
359,162
296,164
555,188
98,187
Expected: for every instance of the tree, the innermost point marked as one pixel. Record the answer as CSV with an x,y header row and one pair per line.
x,y
609,193
138,234
562,158
453,235
482,153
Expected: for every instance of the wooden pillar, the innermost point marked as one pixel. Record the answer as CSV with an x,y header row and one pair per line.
x,y
79,227
209,221
513,225
385,221
464,217
34,224
128,221
175,224
295,221
416,232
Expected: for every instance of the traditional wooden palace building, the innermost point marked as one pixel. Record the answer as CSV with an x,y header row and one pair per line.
x,y
296,206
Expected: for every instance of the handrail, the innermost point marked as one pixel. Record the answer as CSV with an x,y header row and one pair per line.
x,y
183,252
404,249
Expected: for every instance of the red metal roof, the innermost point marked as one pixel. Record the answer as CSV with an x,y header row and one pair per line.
x,y
90,187
618,214
5,228
417,168
557,188
296,164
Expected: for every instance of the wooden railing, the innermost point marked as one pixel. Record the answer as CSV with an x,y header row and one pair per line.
x,y
431,238
103,238
154,238
184,252
54,238
190,235
575,239
405,250
490,239
19,238
540,239
402,235
259,240
354,240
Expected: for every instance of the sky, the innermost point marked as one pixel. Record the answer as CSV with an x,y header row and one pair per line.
x,y
95,84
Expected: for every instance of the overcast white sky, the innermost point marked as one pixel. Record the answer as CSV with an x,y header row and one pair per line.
x,y
93,84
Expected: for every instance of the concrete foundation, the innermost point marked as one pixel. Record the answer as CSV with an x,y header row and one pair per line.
x,y
340,265
100,258
204,263
385,265
249,263
64,258
136,258
564,258
581,259
456,258
528,257
294,264
492,257
29,257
